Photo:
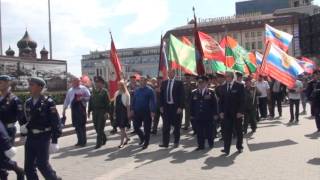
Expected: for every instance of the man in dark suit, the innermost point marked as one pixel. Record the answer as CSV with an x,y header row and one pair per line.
x,y
277,93
171,106
232,111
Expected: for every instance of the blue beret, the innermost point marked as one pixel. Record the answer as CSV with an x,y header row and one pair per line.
x,y
5,78
37,80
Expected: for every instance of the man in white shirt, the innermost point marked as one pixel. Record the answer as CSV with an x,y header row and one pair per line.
x,y
264,88
294,100
77,97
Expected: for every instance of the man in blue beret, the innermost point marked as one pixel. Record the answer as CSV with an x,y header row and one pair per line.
x,y
11,110
43,128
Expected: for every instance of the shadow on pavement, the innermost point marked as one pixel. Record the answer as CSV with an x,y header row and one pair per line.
x,y
269,145
314,161
220,161
314,135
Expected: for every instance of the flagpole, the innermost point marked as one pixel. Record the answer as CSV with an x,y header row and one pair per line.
x,y
50,32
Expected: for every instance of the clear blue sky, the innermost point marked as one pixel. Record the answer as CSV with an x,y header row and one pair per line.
x,y
80,26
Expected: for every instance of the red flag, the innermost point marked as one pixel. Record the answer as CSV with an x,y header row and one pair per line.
x,y
163,61
198,48
186,40
211,48
115,71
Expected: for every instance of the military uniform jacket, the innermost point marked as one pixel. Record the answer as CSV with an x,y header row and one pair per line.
x,y
99,100
250,98
315,94
11,109
4,139
203,106
43,115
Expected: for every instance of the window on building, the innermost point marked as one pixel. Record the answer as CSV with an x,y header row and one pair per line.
x,y
235,35
253,45
260,45
247,46
253,34
259,33
246,34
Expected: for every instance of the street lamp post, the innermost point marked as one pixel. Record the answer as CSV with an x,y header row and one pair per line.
x,y
50,37
1,53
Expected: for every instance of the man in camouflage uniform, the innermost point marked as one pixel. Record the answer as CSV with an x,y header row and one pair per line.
x,y
99,106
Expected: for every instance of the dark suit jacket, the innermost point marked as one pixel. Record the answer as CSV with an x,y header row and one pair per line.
x,y
177,94
231,103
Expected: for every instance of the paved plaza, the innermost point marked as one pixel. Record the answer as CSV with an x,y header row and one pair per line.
x,y
277,151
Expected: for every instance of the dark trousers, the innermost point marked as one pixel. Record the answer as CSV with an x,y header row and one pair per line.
x,y
171,118
81,134
205,131
250,118
231,123
187,119
7,164
276,98
317,117
294,103
145,118
37,156
156,120
99,122
263,103
12,134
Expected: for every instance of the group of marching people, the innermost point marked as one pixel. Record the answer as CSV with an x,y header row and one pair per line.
x,y
216,105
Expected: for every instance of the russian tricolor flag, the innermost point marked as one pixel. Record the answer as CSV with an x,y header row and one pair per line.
x,y
280,66
277,37
259,58
307,66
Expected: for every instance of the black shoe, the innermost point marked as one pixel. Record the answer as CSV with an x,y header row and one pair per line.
x,y
176,145
153,132
240,151
199,149
78,144
185,128
163,146
144,146
225,152
121,146
97,146
141,142
126,142
253,131
114,131
291,121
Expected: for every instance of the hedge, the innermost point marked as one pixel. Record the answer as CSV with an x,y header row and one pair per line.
x,y
58,96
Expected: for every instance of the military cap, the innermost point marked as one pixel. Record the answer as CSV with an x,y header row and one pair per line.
x,y
98,79
202,78
37,80
133,77
220,74
5,78
239,74
159,77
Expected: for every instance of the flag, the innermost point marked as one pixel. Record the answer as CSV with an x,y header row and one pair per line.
x,y
163,61
186,41
218,66
211,48
309,61
306,66
115,70
259,58
279,38
182,56
198,47
237,57
279,65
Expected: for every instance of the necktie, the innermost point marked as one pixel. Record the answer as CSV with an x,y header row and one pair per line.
x,y
229,87
168,91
